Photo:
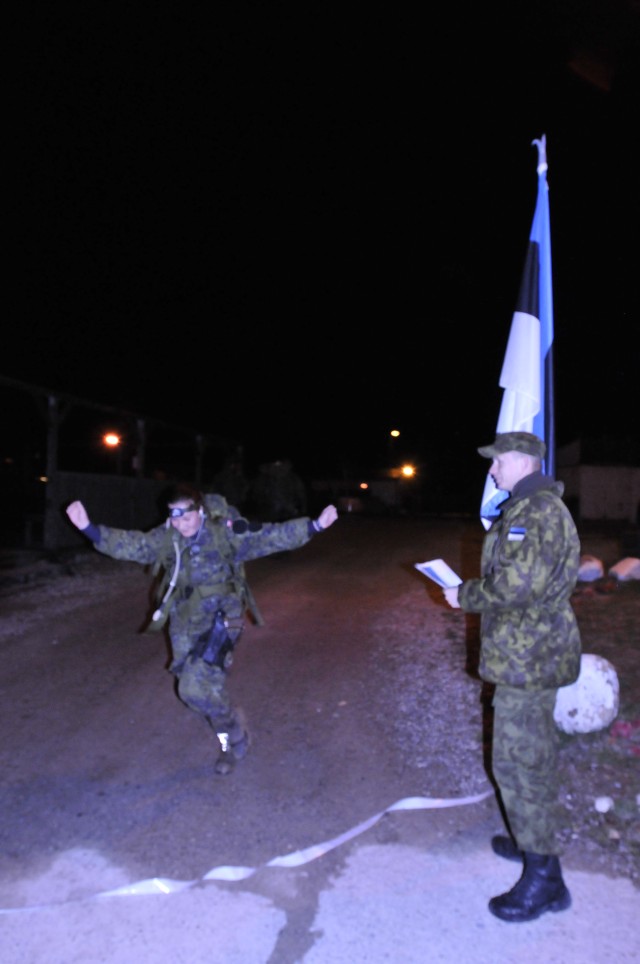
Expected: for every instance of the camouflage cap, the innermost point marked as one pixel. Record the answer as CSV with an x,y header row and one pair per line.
x,y
523,442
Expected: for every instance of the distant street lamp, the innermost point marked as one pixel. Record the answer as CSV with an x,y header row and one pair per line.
x,y
393,434
404,472
114,441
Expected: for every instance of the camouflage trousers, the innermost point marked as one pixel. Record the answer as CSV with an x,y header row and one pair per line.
x,y
524,764
203,688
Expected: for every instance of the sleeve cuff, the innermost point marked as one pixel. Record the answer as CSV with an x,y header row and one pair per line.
x,y
92,532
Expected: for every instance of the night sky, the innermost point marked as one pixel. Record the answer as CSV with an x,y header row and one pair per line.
x,y
301,225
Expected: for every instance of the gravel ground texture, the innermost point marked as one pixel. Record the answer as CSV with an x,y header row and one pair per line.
x,y
440,705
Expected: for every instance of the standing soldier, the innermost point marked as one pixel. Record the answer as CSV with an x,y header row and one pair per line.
x,y
202,549
530,646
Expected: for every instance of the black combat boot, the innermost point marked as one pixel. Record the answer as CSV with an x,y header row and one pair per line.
x,y
540,888
503,846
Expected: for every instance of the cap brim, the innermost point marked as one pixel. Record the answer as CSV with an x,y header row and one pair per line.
x,y
488,452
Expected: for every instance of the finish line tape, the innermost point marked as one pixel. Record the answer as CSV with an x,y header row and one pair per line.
x,y
164,885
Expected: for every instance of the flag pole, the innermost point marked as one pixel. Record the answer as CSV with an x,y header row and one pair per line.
x,y
527,370
544,422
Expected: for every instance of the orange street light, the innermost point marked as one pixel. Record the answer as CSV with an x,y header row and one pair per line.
x,y
111,439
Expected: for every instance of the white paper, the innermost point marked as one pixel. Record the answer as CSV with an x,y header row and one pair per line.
x,y
440,572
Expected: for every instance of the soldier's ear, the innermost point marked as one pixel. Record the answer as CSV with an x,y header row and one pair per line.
x,y
201,512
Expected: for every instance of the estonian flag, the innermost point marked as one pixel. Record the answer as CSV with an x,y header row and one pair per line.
x,y
527,370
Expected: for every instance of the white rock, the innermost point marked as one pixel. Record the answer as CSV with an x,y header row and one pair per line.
x,y
628,568
592,702
590,569
603,804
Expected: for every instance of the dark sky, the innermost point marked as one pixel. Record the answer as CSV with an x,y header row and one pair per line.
x,y
303,224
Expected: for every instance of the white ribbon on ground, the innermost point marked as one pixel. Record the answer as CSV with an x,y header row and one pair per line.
x,y
164,885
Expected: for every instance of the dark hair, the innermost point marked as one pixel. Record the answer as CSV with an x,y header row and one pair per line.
x,y
184,491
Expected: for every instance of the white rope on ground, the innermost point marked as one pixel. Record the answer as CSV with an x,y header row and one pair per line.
x,y
164,885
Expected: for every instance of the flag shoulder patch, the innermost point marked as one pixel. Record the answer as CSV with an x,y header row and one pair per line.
x,y
516,534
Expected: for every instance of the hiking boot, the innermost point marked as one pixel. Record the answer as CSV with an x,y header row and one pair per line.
x,y
231,752
503,846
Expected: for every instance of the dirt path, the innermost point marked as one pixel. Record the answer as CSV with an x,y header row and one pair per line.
x,y
358,696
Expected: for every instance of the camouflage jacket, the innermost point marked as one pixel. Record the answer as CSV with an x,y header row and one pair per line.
x,y
530,558
206,572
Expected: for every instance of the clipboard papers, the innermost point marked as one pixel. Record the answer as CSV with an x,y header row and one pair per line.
x,y
440,572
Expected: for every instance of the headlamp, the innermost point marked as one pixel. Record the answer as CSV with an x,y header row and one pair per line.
x,y
176,512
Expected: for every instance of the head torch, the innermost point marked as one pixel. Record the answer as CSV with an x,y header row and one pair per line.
x,y
176,512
